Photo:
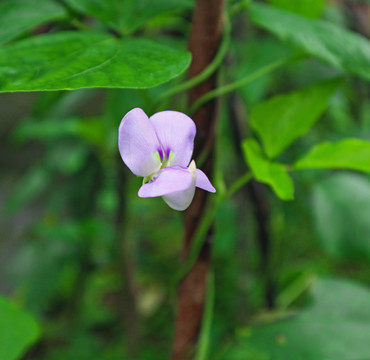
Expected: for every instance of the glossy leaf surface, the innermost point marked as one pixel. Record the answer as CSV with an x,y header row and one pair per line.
x,y
73,60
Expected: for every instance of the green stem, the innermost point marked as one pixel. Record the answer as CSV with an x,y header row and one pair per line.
x,y
203,348
207,72
79,25
244,81
205,224
204,337
294,290
239,183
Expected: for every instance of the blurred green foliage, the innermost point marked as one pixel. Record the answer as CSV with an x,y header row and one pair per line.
x,y
17,329
96,266
334,326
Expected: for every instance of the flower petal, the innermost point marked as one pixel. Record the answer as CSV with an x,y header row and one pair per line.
x,y
181,200
176,132
203,182
169,181
138,143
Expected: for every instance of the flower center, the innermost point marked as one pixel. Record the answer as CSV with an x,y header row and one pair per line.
x,y
165,157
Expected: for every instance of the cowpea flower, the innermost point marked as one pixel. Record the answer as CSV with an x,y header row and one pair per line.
x,y
159,149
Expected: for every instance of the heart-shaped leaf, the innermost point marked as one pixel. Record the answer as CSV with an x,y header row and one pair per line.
x,y
73,60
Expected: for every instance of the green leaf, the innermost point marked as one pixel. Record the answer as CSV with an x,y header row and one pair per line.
x,y
341,210
19,16
351,154
18,330
341,48
335,327
307,8
280,120
72,60
268,172
126,16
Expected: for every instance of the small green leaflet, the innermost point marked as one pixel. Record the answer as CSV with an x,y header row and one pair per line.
x,y
280,120
19,16
73,60
351,154
268,172
341,48
18,330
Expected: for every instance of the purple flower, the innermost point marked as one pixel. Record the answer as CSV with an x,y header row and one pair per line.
x,y
159,148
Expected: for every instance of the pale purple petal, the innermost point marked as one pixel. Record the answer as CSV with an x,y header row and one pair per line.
x,y
138,143
180,200
203,182
168,181
176,132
